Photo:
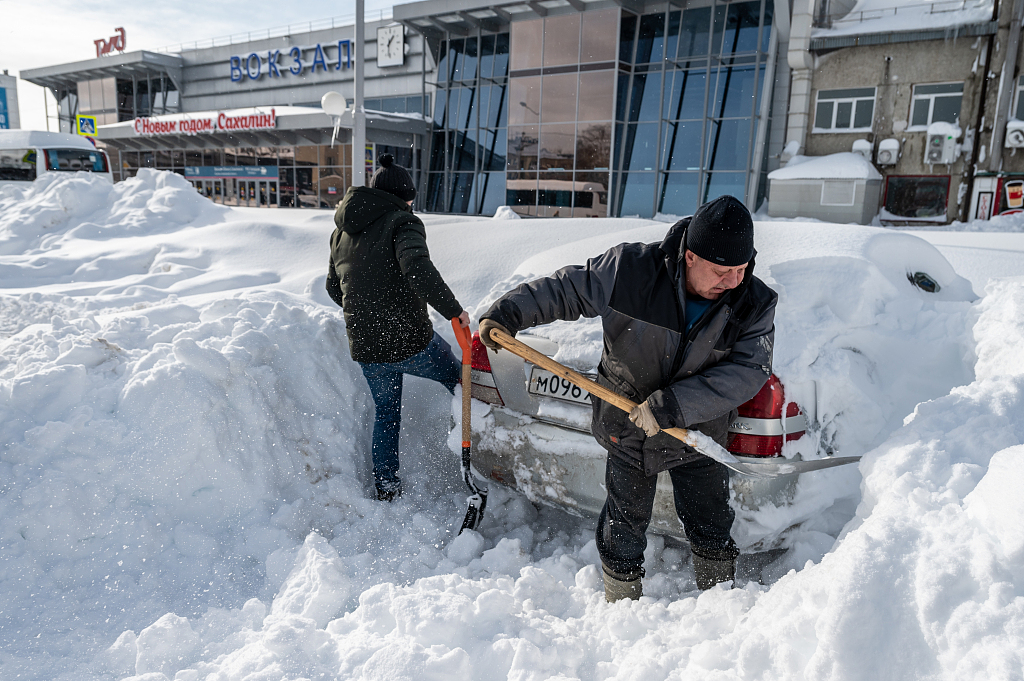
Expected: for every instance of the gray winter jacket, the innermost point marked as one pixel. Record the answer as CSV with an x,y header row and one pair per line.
x,y
694,380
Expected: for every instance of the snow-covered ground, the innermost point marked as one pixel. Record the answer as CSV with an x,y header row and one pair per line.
x,y
184,472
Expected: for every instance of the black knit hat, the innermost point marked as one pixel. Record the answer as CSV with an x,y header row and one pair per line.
x,y
722,232
393,178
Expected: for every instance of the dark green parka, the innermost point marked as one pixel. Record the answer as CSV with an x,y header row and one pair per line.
x,y
381,275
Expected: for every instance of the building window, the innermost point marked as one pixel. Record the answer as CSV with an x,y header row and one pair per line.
x,y
1018,110
936,103
688,106
848,110
916,197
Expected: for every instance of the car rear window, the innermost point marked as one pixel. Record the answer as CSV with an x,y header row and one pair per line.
x,y
18,165
71,160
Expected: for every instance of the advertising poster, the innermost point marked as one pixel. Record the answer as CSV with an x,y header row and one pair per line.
x,y
1009,197
5,123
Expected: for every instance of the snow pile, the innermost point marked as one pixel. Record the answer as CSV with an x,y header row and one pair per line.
x,y
921,584
86,206
1013,222
845,165
184,468
506,213
163,455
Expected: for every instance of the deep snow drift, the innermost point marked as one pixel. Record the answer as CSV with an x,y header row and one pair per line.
x,y
183,469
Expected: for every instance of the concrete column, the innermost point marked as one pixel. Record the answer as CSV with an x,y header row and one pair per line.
x,y
801,61
1007,82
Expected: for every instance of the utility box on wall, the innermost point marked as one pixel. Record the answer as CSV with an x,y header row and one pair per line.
x,y
840,188
941,147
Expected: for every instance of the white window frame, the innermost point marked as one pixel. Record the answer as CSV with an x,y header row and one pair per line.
x,y
1018,100
915,97
836,101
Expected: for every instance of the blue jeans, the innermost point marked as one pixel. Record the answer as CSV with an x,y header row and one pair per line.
x,y
435,362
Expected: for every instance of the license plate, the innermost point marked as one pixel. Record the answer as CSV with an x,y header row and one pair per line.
x,y
547,384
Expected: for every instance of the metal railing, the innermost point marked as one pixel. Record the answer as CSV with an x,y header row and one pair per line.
x,y
276,32
915,9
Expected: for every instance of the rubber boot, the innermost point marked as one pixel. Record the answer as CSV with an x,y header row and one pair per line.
x,y
714,569
618,585
389,494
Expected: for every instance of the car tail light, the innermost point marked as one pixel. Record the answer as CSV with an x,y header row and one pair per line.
x,y
760,429
484,388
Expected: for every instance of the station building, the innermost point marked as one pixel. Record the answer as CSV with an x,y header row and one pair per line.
x,y
242,120
554,107
588,107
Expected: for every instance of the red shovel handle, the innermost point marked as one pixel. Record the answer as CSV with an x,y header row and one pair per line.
x,y
462,335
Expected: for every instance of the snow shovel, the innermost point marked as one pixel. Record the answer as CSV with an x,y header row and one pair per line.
x,y
478,499
700,442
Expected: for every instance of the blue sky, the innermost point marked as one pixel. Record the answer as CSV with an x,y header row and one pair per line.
x,y
35,33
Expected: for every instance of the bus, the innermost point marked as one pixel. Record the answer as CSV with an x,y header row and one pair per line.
x,y
28,154
557,198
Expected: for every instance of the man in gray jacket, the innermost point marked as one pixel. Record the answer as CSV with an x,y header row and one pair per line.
x,y
688,333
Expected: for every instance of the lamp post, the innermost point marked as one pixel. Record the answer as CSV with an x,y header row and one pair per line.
x,y
358,114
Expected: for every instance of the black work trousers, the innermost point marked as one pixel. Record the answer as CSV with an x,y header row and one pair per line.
x,y
701,490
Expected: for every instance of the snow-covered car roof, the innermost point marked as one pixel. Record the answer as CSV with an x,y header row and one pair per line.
x,y
20,139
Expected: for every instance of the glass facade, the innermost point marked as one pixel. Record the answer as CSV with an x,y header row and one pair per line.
x,y
602,112
306,176
112,100
687,108
561,101
468,144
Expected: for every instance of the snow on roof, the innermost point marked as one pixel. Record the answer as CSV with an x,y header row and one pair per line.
x,y
842,166
887,16
16,139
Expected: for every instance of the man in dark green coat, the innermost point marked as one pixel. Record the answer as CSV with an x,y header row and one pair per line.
x,y
381,275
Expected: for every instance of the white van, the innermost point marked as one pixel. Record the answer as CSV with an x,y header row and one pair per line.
x,y
28,154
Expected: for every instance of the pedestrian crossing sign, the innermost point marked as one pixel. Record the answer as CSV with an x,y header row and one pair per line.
x,y
86,125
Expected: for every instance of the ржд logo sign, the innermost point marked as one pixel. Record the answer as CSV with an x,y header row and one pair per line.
x,y
115,42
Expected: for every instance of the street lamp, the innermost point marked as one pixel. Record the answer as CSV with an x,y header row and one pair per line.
x,y
528,108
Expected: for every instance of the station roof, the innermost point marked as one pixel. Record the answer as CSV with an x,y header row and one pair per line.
x,y
141,64
461,17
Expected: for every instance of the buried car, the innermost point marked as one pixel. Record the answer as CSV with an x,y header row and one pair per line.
x,y
842,290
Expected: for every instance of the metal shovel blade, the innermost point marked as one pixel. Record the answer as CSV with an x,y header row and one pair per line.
x,y
779,469
475,512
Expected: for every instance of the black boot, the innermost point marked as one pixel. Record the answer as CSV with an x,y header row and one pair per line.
x,y
714,566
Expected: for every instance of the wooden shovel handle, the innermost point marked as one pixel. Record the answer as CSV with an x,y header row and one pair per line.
x,y
599,391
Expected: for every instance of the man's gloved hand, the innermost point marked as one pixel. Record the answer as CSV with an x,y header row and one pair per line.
x,y
486,326
643,417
